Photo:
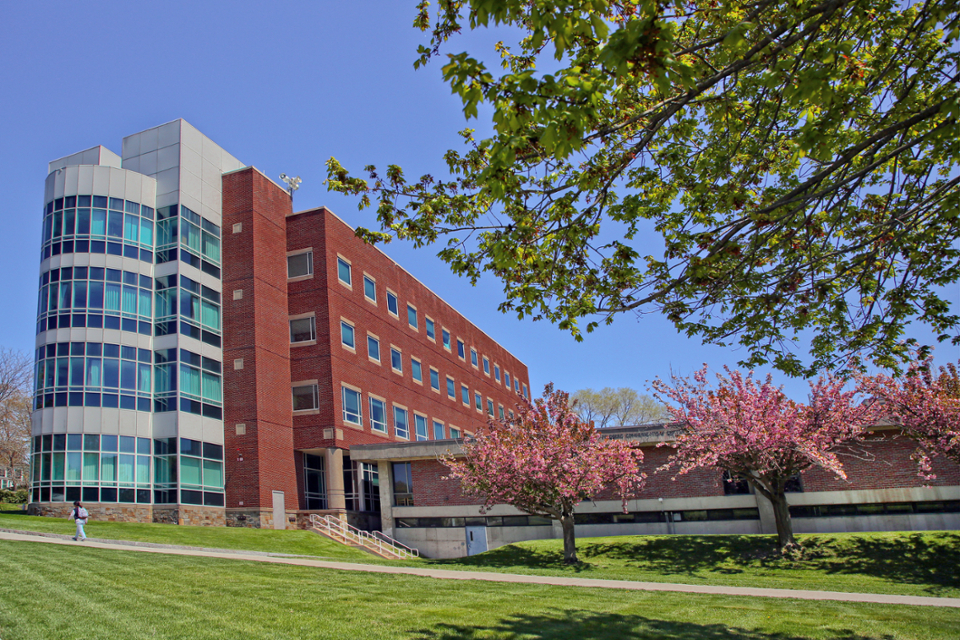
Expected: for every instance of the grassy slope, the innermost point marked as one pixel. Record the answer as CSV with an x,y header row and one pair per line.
x,y
920,563
63,592
295,542
907,563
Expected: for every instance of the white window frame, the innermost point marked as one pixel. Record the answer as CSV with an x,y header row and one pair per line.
x,y
313,329
344,388
461,349
474,358
344,261
373,425
430,327
426,427
376,339
396,350
353,329
445,338
486,366
465,395
406,413
415,325
299,252
413,370
368,278
396,301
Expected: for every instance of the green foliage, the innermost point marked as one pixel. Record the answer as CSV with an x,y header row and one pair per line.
x,y
797,159
9,496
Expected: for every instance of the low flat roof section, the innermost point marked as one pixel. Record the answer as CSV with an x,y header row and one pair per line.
x,y
426,450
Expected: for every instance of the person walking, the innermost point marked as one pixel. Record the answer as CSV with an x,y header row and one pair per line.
x,y
80,515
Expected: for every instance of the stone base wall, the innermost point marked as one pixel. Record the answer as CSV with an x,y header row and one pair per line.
x,y
250,518
113,512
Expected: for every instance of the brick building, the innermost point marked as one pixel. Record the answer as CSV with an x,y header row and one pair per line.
x,y
882,492
205,355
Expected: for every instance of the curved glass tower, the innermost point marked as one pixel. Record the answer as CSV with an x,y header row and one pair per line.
x,y
128,399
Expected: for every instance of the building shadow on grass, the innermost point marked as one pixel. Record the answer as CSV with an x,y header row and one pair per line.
x,y
585,625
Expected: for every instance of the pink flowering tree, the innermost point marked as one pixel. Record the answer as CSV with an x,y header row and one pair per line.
x,y
926,406
546,461
756,432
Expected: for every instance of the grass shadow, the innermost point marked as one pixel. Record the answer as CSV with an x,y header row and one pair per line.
x,y
587,625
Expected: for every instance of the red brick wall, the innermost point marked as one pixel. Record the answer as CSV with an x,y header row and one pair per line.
x,y
880,463
330,363
255,328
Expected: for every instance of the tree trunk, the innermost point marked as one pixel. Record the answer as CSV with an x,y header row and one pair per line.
x,y
781,514
569,540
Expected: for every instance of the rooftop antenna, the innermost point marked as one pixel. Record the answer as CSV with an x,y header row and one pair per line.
x,y
292,183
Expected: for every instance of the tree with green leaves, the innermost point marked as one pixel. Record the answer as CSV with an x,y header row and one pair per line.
x,y
758,172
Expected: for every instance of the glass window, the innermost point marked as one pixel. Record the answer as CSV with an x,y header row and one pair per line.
x,y
346,334
351,406
506,379
454,432
420,423
400,425
411,316
486,365
465,394
392,303
378,415
473,357
434,379
373,348
451,388
402,484
446,339
396,360
461,349
478,401
496,372
500,411
303,330
369,288
343,271
438,430
416,369
431,329
490,407
305,398
300,264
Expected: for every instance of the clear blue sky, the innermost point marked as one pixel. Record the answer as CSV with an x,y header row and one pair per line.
x,y
281,86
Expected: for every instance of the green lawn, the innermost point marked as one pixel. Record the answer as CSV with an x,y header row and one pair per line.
x,y
294,542
907,563
76,592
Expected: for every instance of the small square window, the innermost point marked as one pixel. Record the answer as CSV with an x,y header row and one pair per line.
x,y
400,425
486,365
303,330
496,372
373,348
351,406
392,304
446,340
454,432
347,335
438,433
416,369
465,394
473,357
300,264
431,329
451,388
306,398
412,316
396,360
378,415
344,271
434,379
461,349
369,289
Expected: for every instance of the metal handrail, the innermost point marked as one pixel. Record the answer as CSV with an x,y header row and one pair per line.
x,y
378,541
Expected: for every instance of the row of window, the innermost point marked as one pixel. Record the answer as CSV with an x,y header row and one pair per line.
x,y
98,290
99,247
382,416
304,328
300,264
197,238
639,517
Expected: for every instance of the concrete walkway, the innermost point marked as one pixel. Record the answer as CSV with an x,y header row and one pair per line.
x,y
447,574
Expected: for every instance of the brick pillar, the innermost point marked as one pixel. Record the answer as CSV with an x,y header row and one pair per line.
x,y
256,348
